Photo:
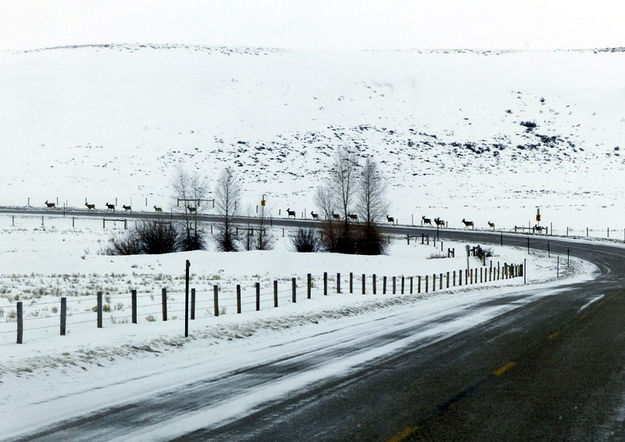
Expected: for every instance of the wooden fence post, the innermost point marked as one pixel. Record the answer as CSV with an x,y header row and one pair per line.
x,y
434,282
338,283
402,285
426,283
20,322
373,284
99,309
238,298
215,300
275,293
384,285
351,282
133,295
411,278
394,285
257,296
294,289
325,283
363,284
440,281
447,280
454,276
460,278
309,285
418,284
63,315
524,271
164,303
193,304
187,278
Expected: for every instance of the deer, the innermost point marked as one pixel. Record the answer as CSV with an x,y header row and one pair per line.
x,y
192,209
126,208
336,216
290,213
90,206
468,223
158,209
491,225
110,206
426,220
439,222
353,216
314,215
50,205
390,219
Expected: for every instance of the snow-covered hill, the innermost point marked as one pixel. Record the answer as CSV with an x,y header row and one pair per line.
x,y
482,135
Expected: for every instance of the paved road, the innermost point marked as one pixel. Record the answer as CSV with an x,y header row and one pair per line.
x,y
547,368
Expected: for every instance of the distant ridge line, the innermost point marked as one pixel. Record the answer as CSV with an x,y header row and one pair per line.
x,y
267,50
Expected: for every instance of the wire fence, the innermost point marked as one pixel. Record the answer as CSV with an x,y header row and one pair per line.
x,y
217,300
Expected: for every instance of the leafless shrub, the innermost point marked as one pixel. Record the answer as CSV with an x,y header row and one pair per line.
x,y
305,240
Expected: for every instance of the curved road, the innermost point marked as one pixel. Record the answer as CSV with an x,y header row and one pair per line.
x,y
537,368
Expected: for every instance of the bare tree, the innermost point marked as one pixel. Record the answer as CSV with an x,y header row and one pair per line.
x,y
323,199
227,196
371,203
343,181
339,192
189,190
371,206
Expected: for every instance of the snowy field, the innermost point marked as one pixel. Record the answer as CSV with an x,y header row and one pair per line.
x,y
39,265
452,130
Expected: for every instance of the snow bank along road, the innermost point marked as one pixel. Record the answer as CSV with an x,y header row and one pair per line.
x,y
533,363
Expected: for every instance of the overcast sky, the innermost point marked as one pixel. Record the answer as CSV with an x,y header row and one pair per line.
x,y
352,24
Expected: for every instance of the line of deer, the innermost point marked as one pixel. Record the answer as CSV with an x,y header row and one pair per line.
x,y
426,220
491,225
336,216
192,209
157,209
439,222
468,224
90,206
353,216
390,219
290,213
110,206
127,208
50,205
314,215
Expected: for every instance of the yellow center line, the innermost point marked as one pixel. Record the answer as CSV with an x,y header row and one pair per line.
x,y
403,434
503,369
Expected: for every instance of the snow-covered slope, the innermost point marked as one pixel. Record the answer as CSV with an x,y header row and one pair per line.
x,y
453,130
